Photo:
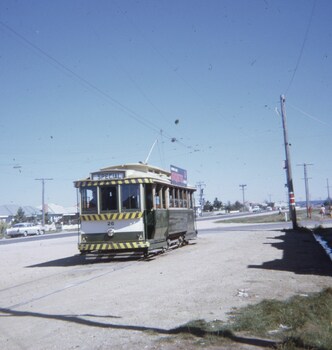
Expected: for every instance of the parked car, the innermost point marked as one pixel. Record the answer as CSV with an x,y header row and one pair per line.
x,y
256,209
24,229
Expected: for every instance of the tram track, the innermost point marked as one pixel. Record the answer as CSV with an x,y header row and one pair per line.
x,y
52,298
72,277
65,287
58,282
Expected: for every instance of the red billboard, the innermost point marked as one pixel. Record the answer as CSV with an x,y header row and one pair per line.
x,y
178,176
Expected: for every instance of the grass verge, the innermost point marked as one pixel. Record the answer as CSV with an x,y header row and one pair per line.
x,y
273,217
301,322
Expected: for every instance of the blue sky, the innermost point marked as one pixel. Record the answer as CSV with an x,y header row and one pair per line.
x,y
88,84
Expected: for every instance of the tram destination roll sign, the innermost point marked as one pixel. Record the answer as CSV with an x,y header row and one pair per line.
x,y
106,175
178,176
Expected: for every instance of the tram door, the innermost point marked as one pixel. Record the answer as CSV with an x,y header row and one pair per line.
x,y
149,214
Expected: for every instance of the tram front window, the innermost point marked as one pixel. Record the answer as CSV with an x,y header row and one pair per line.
x,y
130,197
109,198
89,200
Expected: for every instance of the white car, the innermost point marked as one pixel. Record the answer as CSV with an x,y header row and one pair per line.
x,y
25,229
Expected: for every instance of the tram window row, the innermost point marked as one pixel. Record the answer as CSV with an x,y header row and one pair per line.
x,y
134,197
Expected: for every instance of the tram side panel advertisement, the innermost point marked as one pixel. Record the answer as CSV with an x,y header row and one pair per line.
x,y
178,176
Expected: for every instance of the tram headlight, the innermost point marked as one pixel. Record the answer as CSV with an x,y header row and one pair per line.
x,y
110,232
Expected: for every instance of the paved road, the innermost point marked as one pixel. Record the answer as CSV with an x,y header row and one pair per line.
x,y
209,223
52,298
46,236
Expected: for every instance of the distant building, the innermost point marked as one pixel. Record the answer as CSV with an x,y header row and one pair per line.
x,y
55,212
8,212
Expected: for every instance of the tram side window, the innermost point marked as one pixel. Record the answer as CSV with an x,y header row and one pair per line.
x,y
89,199
158,197
109,198
130,197
172,201
190,200
185,199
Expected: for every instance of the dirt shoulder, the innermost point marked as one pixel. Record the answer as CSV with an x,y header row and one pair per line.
x,y
51,298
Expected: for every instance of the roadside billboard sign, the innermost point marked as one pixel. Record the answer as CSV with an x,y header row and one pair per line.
x,y
178,176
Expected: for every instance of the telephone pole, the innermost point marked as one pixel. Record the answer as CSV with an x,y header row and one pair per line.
x,y
306,185
328,192
243,201
43,197
291,198
200,186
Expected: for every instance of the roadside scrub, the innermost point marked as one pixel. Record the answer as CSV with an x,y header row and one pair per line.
x,y
301,322
3,227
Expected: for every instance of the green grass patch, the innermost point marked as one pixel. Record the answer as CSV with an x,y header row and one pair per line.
x,y
301,322
273,217
254,219
304,321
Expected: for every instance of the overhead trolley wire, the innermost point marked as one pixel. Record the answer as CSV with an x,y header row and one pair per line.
x,y
302,47
86,83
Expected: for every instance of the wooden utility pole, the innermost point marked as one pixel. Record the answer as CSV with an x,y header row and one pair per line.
x,y
306,185
243,201
200,186
43,198
291,198
328,192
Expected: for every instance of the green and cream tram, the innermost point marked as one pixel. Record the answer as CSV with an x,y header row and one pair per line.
x,y
135,208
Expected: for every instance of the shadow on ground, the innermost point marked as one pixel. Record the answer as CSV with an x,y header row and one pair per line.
x,y
301,255
91,321
78,260
88,259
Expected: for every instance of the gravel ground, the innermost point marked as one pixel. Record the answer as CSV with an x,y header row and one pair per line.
x,y
51,298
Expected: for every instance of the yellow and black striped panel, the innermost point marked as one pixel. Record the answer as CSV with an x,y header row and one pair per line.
x,y
114,216
85,247
89,183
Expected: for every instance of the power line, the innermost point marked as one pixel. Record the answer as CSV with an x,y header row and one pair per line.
x,y
302,47
308,115
86,83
